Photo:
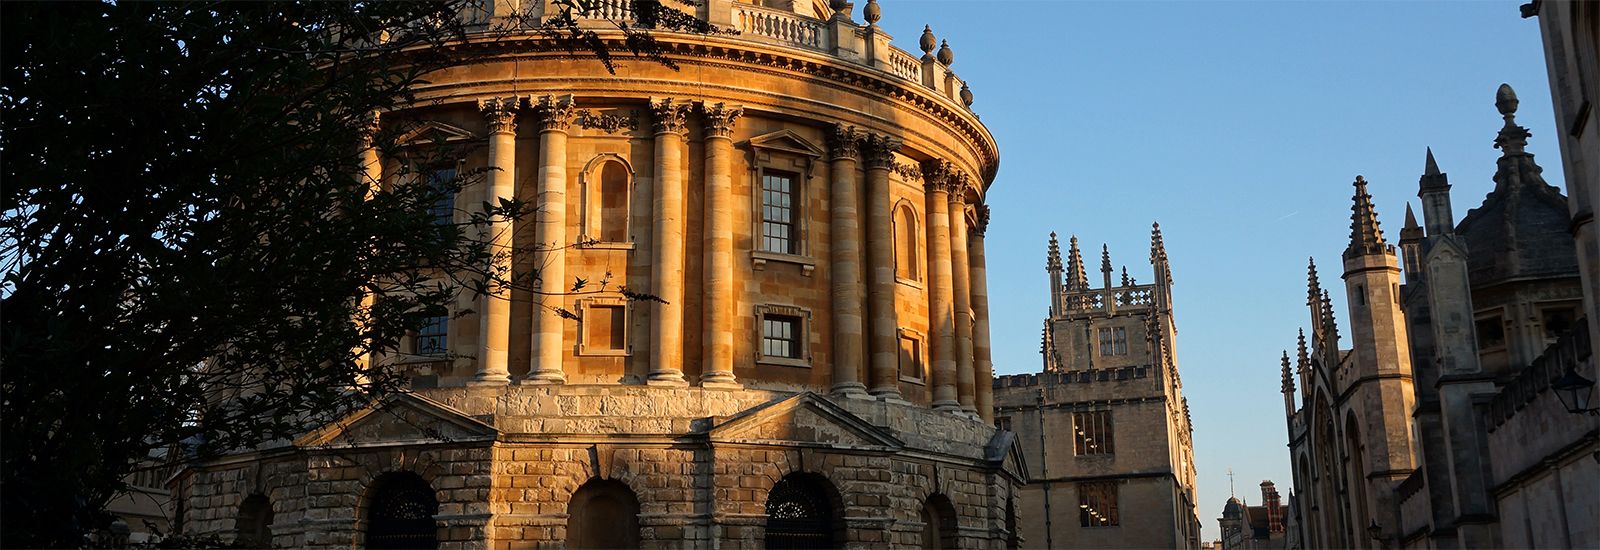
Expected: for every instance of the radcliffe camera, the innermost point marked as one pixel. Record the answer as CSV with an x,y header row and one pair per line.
x,y
751,274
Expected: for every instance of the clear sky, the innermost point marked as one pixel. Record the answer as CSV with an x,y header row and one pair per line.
x,y
1240,127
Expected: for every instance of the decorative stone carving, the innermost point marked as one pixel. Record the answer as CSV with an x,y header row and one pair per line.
x,y
555,112
946,55
966,95
982,210
872,12
880,149
844,142
670,116
501,113
927,42
609,123
720,117
937,174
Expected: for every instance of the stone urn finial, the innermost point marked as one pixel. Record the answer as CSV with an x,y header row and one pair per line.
x,y
966,95
872,12
1505,99
927,42
841,8
946,56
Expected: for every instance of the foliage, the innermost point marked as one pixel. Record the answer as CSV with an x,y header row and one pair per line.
x,y
190,241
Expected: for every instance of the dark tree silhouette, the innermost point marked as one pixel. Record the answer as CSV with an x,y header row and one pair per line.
x,y
190,246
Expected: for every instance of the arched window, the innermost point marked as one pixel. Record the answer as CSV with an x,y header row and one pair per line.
x,y
1356,451
603,514
400,513
906,265
607,191
801,513
253,528
939,523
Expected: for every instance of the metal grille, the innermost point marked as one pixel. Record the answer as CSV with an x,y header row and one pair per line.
x,y
798,516
401,515
777,214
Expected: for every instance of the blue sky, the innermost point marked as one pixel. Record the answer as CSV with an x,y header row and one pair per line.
x,y
1240,127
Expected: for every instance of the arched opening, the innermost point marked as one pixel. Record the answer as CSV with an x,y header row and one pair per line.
x,y
905,243
1355,452
400,513
613,203
939,523
253,528
603,514
802,513
1013,538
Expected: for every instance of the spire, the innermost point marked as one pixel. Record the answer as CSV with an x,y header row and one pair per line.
x,y
1434,190
1512,139
1288,382
1366,238
1109,298
1125,280
1412,232
1076,278
1314,296
1158,246
1105,259
1330,325
1431,168
1302,356
1052,262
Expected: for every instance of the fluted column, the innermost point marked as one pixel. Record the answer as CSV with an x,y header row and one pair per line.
x,y
550,252
494,306
961,288
982,361
845,248
666,273
936,177
884,368
719,292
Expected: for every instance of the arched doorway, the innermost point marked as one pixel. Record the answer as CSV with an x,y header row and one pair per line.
x,y
253,527
400,513
938,523
802,513
603,514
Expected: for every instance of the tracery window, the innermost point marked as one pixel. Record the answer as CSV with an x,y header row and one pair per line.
x,y
1092,433
1097,504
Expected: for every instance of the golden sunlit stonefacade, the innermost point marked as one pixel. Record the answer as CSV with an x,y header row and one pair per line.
x,y
808,202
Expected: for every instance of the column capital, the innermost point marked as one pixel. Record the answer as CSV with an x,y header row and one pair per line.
x,y
671,116
957,185
844,142
370,125
938,175
501,113
719,118
982,210
555,111
880,150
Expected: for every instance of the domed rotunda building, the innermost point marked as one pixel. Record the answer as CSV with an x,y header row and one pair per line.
x,y
808,202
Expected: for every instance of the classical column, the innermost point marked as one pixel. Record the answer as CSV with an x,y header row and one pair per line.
x,y
845,250
372,176
666,273
718,296
494,306
884,359
961,289
936,177
982,362
550,248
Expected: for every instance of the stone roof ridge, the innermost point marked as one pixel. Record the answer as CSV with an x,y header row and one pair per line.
x,y
750,420
439,415
1366,237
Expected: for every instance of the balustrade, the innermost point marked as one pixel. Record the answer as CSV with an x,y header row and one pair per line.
x,y
904,65
785,27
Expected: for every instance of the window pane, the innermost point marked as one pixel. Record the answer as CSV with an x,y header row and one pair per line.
x,y
432,338
777,213
443,210
780,336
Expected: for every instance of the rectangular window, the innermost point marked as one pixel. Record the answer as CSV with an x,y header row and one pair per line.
x,y
1491,333
1113,341
1097,504
780,336
1003,422
443,209
1091,433
432,338
605,330
910,357
1557,321
778,213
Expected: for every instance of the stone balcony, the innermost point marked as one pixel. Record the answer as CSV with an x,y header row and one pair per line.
x,y
837,36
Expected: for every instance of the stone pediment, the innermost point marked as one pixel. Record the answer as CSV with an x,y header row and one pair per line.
x,y
399,419
804,418
787,141
1004,451
434,132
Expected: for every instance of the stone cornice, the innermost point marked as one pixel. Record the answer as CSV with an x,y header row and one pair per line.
x,y
777,60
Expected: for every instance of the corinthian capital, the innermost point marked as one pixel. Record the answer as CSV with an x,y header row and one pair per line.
x,y
982,210
670,116
555,111
719,118
501,113
880,149
937,175
957,184
843,142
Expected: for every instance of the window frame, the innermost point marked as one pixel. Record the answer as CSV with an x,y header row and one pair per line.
x,y
802,317
422,334
784,151
585,307
1088,424
795,238
428,179
1105,494
920,342
1113,341
590,185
